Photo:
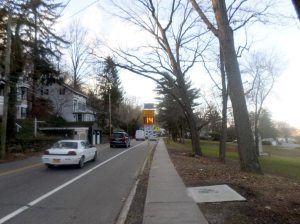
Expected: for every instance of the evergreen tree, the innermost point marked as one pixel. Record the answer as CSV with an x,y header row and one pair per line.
x,y
34,47
172,108
42,43
266,126
110,84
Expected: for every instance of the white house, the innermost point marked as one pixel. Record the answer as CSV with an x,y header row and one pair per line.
x,y
67,102
22,98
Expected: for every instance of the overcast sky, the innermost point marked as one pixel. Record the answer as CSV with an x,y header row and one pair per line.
x,y
284,99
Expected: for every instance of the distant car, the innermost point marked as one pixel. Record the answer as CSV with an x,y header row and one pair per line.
x,y
140,135
153,137
119,138
69,152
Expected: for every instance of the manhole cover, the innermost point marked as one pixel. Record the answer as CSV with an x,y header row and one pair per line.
x,y
216,193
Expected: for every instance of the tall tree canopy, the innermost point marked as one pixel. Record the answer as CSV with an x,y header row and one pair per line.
x,y
175,44
222,26
110,85
78,52
35,47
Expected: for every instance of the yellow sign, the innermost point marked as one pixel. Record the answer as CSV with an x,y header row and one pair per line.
x,y
148,113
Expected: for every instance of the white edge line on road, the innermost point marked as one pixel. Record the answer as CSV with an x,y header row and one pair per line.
x,y
13,214
34,202
124,212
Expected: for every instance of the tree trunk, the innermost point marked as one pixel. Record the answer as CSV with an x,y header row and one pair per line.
x,y
246,147
191,123
256,135
33,104
11,117
223,140
181,131
16,68
6,89
194,134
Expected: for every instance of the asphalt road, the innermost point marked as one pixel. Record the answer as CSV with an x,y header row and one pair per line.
x,y
31,193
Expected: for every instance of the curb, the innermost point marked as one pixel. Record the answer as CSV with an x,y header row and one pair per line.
x,y
125,209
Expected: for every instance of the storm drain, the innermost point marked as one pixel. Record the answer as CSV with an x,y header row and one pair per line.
x,y
216,193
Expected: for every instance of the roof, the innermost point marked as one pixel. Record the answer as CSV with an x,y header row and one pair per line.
x,y
73,90
70,88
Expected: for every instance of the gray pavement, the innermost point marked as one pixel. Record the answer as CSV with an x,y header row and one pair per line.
x,y
167,200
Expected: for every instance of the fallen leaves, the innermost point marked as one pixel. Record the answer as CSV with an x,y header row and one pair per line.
x,y
270,198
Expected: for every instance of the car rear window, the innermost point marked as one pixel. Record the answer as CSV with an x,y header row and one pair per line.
x,y
117,135
68,145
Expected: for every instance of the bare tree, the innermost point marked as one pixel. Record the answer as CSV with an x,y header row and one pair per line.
x,y
208,118
221,85
130,115
262,69
223,139
78,51
176,45
223,26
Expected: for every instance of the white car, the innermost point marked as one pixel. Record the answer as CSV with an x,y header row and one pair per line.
x,y
69,152
140,135
153,137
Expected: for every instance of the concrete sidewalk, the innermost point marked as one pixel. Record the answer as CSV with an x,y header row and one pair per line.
x,y
167,201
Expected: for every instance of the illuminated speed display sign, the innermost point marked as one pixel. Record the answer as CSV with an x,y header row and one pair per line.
x,y
148,116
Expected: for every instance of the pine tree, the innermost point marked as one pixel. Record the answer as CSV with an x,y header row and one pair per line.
x,y
110,83
34,47
38,18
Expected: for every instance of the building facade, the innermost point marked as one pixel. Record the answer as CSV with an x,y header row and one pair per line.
x,y
67,102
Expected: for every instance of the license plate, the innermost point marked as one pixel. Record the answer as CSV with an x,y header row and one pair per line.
x,y
56,160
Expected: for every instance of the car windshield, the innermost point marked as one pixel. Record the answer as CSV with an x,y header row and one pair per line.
x,y
68,145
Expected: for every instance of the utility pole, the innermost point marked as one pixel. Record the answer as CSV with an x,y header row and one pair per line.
x,y
6,87
109,108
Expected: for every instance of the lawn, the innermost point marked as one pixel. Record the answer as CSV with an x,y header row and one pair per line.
x,y
283,162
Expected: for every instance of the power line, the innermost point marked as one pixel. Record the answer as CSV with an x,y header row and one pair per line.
x,y
65,6
81,10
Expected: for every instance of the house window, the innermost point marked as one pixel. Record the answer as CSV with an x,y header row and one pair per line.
x,y
81,106
62,91
75,106
23,112
1,90
23,93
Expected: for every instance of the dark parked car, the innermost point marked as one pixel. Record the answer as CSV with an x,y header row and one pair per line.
x,y
119,138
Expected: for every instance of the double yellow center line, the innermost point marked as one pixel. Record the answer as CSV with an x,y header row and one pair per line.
x,y
20,169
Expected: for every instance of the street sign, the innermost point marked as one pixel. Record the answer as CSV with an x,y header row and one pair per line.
x,y
149,106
